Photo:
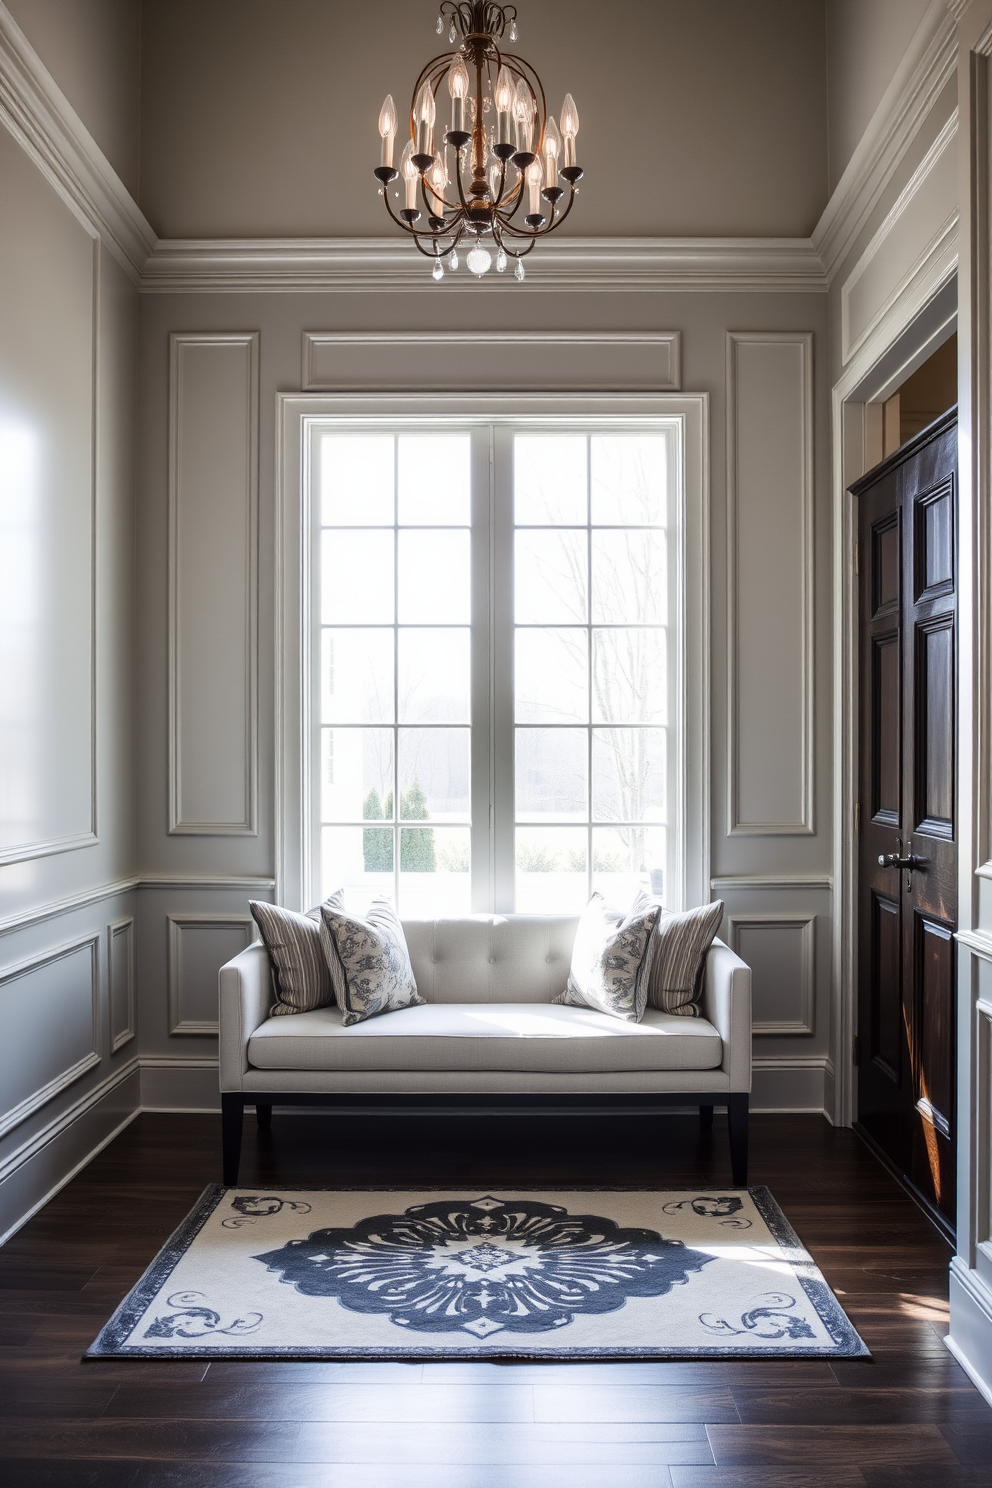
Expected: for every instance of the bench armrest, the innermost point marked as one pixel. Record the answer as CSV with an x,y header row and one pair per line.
x,y
727,1005
245,996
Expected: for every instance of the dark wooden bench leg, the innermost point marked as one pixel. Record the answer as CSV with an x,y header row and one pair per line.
x,y
232,1119
706,1118
737,1118
263,1114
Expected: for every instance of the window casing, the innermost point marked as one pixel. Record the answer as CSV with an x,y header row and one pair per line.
x,y
496,879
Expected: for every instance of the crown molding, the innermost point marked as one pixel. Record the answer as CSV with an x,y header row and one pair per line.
x,y
38,114
926,67
294,265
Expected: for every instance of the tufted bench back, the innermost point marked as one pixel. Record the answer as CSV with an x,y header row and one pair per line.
x,y
491,958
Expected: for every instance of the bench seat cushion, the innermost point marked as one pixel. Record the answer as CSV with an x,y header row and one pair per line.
x,y
486,1036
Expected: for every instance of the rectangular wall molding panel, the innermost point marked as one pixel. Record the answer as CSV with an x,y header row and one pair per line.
x,y
199,945
770,582
213,520
600,361
120,981
57,992
781,952
49,309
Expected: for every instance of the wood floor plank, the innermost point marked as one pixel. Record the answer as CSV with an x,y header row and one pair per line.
x,y
634,1403
828,1446
907,1418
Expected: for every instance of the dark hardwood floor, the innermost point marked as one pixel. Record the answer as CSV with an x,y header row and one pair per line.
x,y
908,1417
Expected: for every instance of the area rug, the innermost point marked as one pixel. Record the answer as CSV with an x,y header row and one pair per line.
x,y
587,1274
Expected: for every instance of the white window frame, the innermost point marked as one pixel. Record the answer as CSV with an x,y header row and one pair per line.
x,y
294,567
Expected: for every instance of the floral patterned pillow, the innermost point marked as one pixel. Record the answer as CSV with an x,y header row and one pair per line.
x,y
368,960
611,960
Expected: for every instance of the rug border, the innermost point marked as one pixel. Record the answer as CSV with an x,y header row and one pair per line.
x,y
108,1344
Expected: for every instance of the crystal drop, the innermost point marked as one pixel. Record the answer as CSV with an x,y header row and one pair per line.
x,y
478,260
452,260
500,261
437,272
440,25
513,30
519,271
451,32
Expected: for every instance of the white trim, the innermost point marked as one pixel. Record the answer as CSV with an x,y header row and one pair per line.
x,y
924,71
940,251
236,882
247,825
788,881
971,1318
978,942
39,116
176,925
804,825
622,265
620,361
126,1034
14,1115
24,919
802,1025
295,413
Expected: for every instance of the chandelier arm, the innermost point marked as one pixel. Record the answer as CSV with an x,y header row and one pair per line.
x,y
406,226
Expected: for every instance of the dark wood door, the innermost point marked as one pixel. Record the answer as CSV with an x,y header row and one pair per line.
x,y
907,903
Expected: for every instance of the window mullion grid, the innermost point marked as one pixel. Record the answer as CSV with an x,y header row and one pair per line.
x,y
589,666
396,672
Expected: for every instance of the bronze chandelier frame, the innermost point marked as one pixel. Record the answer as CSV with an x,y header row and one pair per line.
x,y
490,207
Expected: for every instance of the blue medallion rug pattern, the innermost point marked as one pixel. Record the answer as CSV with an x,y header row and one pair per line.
x,y
601,1274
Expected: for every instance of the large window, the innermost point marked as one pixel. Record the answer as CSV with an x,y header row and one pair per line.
x,y
497,662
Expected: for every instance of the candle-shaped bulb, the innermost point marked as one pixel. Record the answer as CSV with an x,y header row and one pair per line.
x,y
388,121
534,176
495,176
458,79
407,168
425,109
504,93
551,147
437,180
523,103
569,128
410,176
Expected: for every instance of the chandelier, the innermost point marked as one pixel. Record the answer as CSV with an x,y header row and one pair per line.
x,y
495,175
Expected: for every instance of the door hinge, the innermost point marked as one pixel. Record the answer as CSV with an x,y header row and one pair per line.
x,y
857,817
856,1050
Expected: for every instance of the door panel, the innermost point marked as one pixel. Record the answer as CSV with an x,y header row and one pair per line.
x,y
907,850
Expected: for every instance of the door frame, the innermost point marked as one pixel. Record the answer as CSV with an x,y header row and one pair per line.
x,y
907,335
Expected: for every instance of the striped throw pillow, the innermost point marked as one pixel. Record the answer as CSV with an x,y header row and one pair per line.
x,y
681,943
300,975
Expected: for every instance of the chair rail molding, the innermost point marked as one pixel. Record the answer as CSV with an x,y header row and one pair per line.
x,y
758,412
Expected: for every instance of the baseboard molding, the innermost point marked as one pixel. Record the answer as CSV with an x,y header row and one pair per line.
x,y
970,1338
782,1085
50,1159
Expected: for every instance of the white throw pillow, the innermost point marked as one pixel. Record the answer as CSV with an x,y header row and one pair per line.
x,y
368,960
611,959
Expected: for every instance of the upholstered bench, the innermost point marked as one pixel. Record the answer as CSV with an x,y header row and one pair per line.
x,y
487,1035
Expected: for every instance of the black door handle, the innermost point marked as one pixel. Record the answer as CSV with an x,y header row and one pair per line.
x,y
893,860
